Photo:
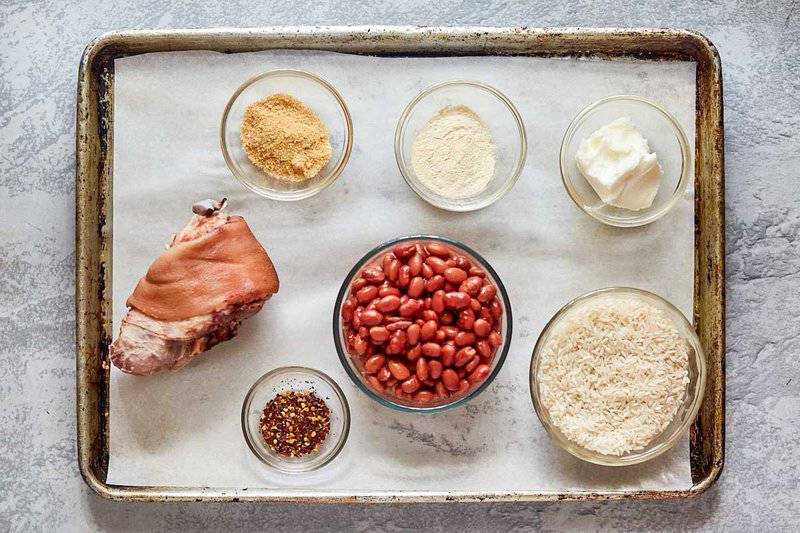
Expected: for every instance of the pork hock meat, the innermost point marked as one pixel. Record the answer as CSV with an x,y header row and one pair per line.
x,y
213,274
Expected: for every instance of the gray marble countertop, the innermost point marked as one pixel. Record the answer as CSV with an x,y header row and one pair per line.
x,y
40,488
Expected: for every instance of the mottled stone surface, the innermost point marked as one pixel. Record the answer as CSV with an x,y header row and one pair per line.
x,y
40,44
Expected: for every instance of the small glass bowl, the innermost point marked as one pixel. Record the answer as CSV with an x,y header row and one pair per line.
x,y
321,98
664,135
298,379
497,112
683,417
354,369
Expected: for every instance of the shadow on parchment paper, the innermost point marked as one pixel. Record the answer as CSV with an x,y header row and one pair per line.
x,y
149,394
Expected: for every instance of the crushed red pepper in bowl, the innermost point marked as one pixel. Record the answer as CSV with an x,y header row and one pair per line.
x,y
295,419
295,423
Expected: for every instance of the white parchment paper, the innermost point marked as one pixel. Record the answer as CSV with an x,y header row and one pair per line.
x,y
183,428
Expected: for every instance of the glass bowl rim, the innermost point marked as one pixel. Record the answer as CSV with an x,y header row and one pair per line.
x,y
643,455
686,160
344,357
302,193
338,446
407,174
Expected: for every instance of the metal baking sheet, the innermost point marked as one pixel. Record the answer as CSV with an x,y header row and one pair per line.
x,y
94,210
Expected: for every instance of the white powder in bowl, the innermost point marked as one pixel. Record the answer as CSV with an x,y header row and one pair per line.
x,y
453,154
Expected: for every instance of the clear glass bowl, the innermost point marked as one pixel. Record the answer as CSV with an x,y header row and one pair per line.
x,y
315,93
664,135
497,112
686,412
298,379
354,369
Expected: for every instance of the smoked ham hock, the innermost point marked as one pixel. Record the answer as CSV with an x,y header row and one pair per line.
x,y
213,275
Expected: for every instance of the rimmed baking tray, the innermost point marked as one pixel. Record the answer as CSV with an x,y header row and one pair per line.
x,y
94,233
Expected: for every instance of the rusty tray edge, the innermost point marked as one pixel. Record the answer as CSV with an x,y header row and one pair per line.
x,y
94,208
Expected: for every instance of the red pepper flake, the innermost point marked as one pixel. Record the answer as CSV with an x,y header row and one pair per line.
x,y
295,423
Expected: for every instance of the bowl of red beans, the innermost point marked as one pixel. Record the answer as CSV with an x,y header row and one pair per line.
x,y
422,323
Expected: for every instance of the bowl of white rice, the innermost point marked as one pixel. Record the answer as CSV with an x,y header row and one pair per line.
x,y
617,376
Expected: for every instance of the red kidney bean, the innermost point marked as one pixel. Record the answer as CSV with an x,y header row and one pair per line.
x,y
464,356
455,275
398,369
404,250
387,304
446,318
463,263
397,342
466,319
437,264
450,263
414,353
494,339
403,277
410,385
438,249
389,291
463,385
431,349
450,287
475,271
450,332
427,271
437,301
448,354
484,348
487,293
373,274
387,259
424,396
496,309
482,327
400,393
347,310
441,391
456,300
413,334
421,250
428,330
383,374
479,374
360,346
471,286
371,318
474,362
435,369
358,283
434,283
378,334
440,336
475,305
430,315
415,264
486,314
426,302
397,324
465,338
392,270
410,309
422,369
374,363
450,379
375,383
416,286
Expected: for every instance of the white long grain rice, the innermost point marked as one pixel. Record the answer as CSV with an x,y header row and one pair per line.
x,y
613,374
